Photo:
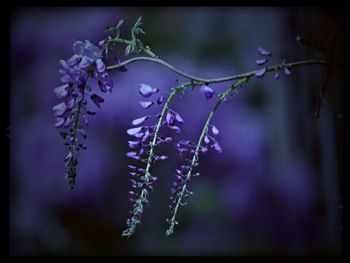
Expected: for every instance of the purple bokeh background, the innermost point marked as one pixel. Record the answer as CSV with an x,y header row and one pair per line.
x,y
275,189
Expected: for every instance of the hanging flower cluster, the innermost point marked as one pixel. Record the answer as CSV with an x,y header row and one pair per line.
x,y
189,151
260,62
146,138
71,113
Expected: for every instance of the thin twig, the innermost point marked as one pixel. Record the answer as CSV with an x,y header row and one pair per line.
x,y
224,79
326,78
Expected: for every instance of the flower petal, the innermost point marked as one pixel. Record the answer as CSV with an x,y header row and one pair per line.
x,y
178,118
59,109
140,120
66,78
168,139
175,128
62,91
147,91
170,118
261,61
65,65
59,122
277,75
204,149
217,147
208,92
134,131
100,65
70,103
146,104
260,73
67,122
133,155
214,130
102,42
78,47
263,52
133,144
73,60
287,71
84,63
145,136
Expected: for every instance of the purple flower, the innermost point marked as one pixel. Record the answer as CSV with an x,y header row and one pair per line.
x,y
85,62
260,73
62,91
178,118
204,149
214,130
73,60
263,52
208,92
134,131
65,65
175,128
147,91
287,71
261,61
59,109
145,136
168,139
70,104
101,67
105,83
59,122
87,49
133,144
217,147
102,42
139,121
170,118
133,155
146,104
97,99
276,75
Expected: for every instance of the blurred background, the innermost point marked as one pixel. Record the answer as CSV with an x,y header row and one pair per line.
x,y
275,190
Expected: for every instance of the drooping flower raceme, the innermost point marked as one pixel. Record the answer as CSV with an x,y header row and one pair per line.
x,y
142,146
190,153
71,114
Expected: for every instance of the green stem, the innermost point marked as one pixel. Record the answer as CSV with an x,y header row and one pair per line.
x,y
221,98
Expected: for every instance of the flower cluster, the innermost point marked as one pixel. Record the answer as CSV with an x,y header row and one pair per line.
x,y
261,62
190,152
71,113
146,138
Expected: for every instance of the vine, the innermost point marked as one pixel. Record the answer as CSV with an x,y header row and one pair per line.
x,y
88,63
